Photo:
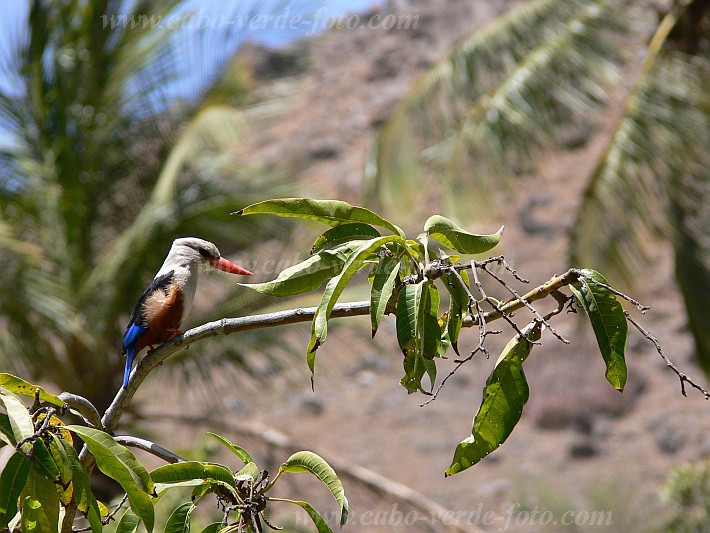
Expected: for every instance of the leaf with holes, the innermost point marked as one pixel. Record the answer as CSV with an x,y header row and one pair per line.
x,y
331,212
452,236
23,388
505,394
608,322
310,462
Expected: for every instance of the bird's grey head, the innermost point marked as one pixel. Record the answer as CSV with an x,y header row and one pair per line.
x,y
192,252
197,254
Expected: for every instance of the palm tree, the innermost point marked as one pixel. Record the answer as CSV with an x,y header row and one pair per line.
x,y
533,78
91,117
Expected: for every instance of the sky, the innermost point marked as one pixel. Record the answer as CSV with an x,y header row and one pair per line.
x,y
232,12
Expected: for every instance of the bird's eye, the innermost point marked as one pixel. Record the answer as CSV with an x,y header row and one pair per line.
x,y
204,253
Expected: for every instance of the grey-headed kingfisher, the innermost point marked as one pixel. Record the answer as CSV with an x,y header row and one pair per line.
x,y
160,310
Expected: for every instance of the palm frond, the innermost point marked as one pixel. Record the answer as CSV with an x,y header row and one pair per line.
x,y
518,84
658,142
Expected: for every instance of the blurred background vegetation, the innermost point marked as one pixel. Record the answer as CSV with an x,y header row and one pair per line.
x,y
115,140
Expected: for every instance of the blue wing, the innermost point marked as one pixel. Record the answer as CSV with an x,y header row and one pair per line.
x,y
137,324
132,333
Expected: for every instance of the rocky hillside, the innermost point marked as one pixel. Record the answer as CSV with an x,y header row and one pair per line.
x,y
580,446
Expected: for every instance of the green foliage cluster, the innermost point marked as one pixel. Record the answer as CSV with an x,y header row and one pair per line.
x,y
45,476
404,274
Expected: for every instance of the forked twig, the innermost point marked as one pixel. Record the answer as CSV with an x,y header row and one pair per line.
x,y
681,376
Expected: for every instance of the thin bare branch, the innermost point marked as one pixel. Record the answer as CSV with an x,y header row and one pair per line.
x,y
681,376
150,447
84,407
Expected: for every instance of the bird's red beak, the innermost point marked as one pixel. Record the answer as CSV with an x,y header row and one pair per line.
x,y
227,266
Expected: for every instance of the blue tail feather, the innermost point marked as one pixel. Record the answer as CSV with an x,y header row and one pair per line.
x,y
130,355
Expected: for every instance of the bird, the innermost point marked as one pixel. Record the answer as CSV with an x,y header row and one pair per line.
x,y
160,310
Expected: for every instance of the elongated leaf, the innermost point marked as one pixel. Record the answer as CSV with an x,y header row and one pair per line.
x,y
20,419
6,433
331,212
81,488
42,490
179,521
318,520
43,461
456,238
458,305
301,278
192,470
505,394
118,463
105,446
428,329
382,286
12,481
608,322
59,456
407,312
21,387
235,449
344,233
214,527
310,462
335,288
129,522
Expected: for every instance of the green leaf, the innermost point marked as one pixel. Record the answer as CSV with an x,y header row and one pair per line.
x,y
235,449
179,521
102,444
250,470
318,520
335,288
344,233
34,518
382,286
428,329
407,312
310,462
129,522
331,212
20,419
41,490
456,238
21,387
608,322
192,470
505,394
118,463
12,481
43,461
81,488
6,433
303,277
458,305
61,460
